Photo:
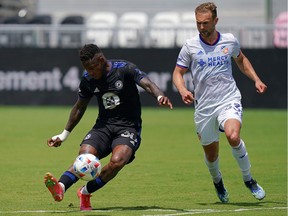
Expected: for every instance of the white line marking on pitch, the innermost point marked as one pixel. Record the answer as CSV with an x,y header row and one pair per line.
x,y
208,211
177,213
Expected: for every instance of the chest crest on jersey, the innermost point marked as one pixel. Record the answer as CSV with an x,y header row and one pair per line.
x,y
224,49
118,84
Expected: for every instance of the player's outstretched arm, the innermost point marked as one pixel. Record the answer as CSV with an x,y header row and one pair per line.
x,y
246,68
76,114
154,90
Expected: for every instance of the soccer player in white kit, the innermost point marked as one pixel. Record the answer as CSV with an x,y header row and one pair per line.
x,y
216,98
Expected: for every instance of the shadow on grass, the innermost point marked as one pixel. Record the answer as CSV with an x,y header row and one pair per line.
x,y
107,211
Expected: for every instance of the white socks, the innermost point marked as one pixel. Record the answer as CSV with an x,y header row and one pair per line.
x,y
241,156
213,168
84,190
62,185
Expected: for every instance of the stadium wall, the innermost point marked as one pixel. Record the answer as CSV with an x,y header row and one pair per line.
x,y
34,76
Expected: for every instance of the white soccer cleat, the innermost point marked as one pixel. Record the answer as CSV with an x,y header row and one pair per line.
x,y
256,190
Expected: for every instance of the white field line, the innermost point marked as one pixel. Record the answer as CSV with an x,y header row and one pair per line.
x,y
176,212
208,211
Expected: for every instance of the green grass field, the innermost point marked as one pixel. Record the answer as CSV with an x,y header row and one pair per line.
x,y
167,178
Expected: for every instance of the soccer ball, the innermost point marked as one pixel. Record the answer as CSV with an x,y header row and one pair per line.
x,y
87,166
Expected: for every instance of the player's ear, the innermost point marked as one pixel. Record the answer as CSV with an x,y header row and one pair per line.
x,y
101,59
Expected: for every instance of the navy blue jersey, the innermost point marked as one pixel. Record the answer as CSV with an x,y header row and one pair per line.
x,y
117,93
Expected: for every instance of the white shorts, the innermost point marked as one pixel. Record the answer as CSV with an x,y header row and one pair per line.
x,y
209,126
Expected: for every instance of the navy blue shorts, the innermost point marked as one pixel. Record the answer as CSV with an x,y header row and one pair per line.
x,y
105,137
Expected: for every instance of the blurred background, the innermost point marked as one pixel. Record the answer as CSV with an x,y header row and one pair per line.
x,y
40,39
128,23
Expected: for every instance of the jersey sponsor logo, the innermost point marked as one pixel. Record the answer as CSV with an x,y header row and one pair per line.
x,y
214,60
119,84
110,100
217,60
201,62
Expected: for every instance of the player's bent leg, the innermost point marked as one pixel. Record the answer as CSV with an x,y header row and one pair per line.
x,y
121,155
54,187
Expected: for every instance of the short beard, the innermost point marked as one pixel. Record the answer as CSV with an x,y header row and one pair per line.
x,y
205,34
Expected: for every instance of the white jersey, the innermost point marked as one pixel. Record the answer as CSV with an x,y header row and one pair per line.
x,y
211,71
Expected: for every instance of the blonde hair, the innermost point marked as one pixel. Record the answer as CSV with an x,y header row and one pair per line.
x,y
206,7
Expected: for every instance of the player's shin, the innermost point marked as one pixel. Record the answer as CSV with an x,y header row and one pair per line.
x,y
68,179
95,185
241,156
213,168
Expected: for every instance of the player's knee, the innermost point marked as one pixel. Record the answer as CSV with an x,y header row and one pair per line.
x,y
233,138
117,163
211,157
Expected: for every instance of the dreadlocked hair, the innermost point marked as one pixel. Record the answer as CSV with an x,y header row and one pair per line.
x,y
88,51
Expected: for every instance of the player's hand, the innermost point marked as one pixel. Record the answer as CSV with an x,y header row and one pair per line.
x,y
57,140
54,143
260,87
187,97
164,101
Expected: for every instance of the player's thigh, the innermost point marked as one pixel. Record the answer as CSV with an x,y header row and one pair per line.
x,y
207,129
230,116
121,154
127,138
88,149
98,140
231,126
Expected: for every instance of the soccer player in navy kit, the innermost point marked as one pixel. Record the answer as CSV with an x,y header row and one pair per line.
x,y
216,98
118,126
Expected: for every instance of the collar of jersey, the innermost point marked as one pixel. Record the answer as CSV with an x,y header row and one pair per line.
x,y
218,38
